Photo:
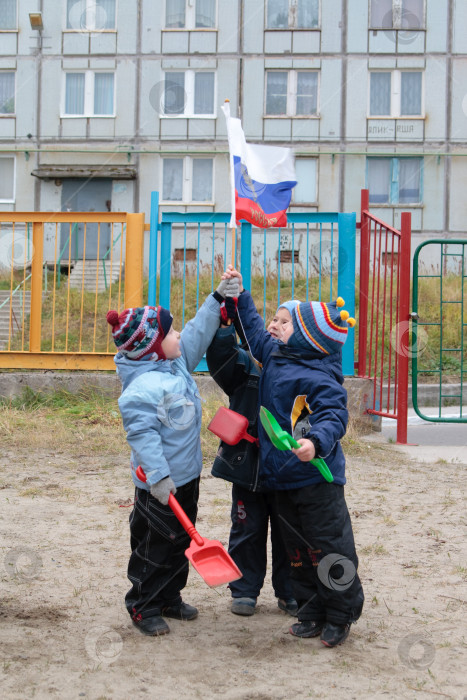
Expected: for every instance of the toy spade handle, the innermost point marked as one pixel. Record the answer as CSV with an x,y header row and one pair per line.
x,y
317,462
178,511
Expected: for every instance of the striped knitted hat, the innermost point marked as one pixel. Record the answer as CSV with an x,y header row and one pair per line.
x,y
140,331
321,326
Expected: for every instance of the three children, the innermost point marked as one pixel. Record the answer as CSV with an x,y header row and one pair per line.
x,y
160,407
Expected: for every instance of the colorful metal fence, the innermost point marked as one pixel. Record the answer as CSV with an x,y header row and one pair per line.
x,y
314,258
54,298
384,298
440,326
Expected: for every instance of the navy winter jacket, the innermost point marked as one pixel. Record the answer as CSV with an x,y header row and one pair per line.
x,y
292,378
236,373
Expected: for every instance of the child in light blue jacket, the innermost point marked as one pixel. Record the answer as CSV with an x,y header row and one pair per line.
x,y
161,411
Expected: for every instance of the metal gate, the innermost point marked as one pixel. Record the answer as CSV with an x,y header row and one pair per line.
x,y
439,328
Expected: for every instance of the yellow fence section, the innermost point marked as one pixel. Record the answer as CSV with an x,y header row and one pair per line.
x,y
60,272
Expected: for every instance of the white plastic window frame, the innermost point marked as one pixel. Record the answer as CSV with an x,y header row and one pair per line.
x,y
89,5
187,185
291,94
188,112
395,97
397,6
292,18
12,29
89,76
190,19
10,201
394,181
4,115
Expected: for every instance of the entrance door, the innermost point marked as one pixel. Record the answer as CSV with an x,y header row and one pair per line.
x,y
439,330
85,195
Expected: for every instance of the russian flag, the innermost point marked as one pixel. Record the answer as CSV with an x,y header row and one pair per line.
x,y
262,178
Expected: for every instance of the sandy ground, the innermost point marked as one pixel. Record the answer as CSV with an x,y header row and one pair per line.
x,y
64,631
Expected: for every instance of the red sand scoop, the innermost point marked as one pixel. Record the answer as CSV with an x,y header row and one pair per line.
x,y
230,426
208,557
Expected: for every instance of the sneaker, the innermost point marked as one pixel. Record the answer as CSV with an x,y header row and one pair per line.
x,y
288,605
243,606
332,635
306,629
151,626
181,611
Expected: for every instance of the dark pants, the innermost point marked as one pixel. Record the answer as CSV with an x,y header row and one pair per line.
x,y
158,567
251,514
318,533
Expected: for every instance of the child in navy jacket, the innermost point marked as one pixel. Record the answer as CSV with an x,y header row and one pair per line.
x,y
306,367
253,507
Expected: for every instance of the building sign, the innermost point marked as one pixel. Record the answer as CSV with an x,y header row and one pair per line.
x,y
395,129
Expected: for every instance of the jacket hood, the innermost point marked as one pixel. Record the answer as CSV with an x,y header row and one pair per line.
x,y
128,370
332,364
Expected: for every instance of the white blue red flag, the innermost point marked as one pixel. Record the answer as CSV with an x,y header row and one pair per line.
x,y
262,178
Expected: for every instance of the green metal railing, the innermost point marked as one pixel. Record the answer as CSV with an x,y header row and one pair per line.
x,y
434,330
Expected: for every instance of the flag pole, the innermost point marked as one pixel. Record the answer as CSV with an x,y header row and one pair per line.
x,y
226,110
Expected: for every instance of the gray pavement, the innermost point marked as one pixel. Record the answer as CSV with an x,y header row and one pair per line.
x,y
429,441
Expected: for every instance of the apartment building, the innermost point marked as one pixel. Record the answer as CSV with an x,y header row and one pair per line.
x,y
103,101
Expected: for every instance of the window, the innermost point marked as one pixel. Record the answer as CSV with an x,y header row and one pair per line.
x,y
292,93
292,14
7,179
397,14
7,92
396,94
200,14
89,94
304,191
90,15
187,179
394,180
189,93
8,14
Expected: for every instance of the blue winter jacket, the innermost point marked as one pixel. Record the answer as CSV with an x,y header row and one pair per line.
x,y
292,378
161,406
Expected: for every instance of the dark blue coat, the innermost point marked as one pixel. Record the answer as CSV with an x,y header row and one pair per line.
x,y
292,377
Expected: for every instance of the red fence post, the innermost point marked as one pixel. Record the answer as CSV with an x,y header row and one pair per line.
x,y
364,280
403,329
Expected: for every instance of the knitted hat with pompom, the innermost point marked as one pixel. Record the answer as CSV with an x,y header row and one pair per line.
x,y
140,331
321,326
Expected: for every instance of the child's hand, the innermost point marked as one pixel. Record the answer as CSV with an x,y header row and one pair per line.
x,y
231,273
306,451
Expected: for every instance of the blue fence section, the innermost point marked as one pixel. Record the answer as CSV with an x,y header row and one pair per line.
x,y
313,258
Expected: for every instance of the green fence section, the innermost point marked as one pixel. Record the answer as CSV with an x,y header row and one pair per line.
x,y
439,326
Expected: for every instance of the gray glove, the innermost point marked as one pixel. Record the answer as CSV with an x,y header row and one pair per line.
x,y
163,489
232,289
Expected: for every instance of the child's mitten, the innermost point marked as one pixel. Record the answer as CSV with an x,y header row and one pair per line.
x,y
163,489
232,289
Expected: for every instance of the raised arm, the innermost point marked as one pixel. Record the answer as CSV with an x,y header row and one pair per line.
x,y
199,332
228,364
260,342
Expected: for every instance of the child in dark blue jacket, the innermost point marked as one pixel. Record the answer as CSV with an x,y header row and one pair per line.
x,y
306,368
253,507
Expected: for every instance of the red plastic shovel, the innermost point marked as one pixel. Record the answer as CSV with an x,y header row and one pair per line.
x,y
208,557
230,426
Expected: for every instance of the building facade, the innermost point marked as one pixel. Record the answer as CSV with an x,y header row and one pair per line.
x,y
107,100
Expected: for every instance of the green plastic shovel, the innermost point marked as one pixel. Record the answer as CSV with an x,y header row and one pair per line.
x,y
284,441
